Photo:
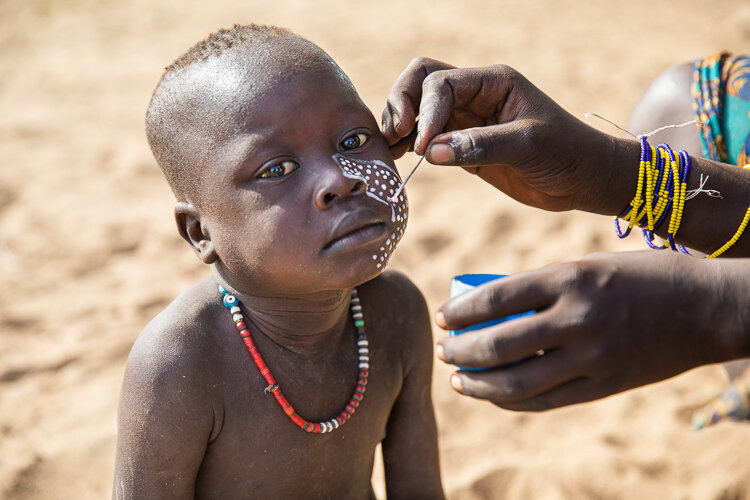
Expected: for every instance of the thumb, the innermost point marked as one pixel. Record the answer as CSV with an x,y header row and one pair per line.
x,y
502,144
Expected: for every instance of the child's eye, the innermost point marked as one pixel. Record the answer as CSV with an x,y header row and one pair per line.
x,y
354,141
280,169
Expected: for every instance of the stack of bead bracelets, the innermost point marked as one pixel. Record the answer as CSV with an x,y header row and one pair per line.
x,y
662,185
660,193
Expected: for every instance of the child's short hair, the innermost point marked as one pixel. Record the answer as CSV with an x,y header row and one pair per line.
x,y
239,35
172,123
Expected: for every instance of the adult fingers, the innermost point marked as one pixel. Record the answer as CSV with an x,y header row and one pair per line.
x,y
400,148
516,294
479,93
403,146
519,338
502,144
576,391
435,108
520,382
402,107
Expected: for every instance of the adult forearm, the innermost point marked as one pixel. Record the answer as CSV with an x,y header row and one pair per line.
x,y
707,221
732,316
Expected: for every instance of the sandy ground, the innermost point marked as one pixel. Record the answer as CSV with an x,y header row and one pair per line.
x,y
88,252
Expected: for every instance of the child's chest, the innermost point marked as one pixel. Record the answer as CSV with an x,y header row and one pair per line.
x,y
261,449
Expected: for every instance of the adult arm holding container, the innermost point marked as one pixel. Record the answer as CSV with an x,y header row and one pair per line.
x,y
609,322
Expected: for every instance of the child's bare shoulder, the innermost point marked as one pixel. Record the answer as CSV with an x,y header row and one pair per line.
x,y
399,310
394,293
169,378
175,348
183,323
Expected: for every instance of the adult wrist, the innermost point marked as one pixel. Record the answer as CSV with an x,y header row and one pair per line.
x,y
614,170
731,321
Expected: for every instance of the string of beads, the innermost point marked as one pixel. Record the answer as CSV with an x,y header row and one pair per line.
x,y
660,194
734,238
234,306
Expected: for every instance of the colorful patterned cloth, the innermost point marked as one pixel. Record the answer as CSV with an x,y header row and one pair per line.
x,y
721,101
732,404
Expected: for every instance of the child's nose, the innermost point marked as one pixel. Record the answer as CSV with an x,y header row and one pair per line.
x,y
334,185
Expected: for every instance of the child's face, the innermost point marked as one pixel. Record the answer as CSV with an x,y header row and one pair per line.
x,y
296,196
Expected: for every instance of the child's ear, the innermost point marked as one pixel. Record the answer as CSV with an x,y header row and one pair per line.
x,y
189,227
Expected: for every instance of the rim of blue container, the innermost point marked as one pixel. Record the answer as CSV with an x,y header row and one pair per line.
x,y
477,279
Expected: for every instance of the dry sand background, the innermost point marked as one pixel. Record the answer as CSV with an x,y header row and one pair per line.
x,y
88,253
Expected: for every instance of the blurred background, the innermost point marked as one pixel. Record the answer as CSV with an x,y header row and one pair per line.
x,y
89,253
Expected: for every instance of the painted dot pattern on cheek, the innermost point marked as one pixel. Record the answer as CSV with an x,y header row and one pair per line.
x,y
381,183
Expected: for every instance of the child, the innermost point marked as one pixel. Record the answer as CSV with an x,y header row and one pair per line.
x,y
251,384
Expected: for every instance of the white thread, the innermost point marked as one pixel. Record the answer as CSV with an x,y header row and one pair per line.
x,y
665,127
648,134
689,194
692,193
587,115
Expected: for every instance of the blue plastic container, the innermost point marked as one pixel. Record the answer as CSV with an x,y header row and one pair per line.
x,y
464,283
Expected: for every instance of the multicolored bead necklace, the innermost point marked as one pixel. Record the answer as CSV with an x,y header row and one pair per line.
x,y
233,305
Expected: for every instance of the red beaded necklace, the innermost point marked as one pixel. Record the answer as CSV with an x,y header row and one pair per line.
x,y
233,304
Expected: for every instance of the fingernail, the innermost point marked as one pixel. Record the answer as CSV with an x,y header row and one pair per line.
x,y
440,352
396,120
440,320
456,383
441,153
417,142
383,126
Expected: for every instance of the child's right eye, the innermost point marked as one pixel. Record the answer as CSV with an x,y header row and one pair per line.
x,y
279,169
354,141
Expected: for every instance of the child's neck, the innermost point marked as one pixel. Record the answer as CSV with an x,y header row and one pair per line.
x,y
306,324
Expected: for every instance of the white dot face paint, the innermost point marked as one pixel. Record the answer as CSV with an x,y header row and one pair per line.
x,y
382,188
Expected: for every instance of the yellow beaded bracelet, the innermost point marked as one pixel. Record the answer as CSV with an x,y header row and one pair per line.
x,y
662,176
661,191
737,233
734,238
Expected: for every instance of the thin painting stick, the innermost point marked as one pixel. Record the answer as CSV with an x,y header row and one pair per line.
x,y
394,198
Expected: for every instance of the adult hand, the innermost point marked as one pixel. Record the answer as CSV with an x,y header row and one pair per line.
x,y
607,323
495,123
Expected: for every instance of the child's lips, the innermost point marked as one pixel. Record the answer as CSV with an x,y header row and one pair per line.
x,y
358,237
356,229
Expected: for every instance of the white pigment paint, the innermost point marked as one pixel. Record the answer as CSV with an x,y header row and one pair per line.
x,y
382,188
